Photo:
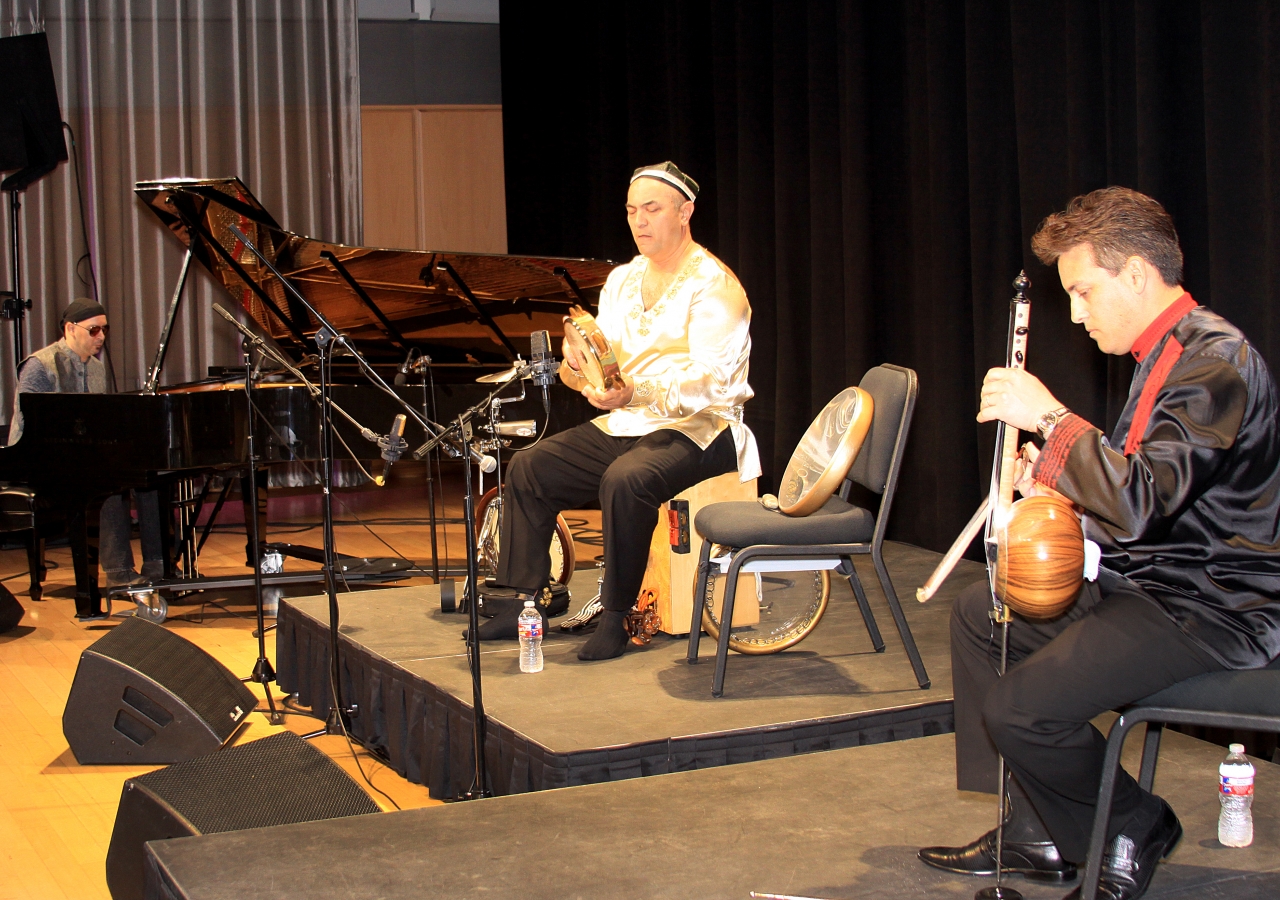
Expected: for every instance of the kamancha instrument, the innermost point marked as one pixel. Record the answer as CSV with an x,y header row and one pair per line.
x,y
1034,546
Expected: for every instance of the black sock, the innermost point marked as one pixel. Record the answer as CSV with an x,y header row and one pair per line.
x,y
609,640
503,627
1141,821
1023,825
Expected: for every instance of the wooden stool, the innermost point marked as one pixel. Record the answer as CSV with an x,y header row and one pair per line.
x,y
670,576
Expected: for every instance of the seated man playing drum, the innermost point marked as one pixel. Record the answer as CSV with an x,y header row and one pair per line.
x,y
678,321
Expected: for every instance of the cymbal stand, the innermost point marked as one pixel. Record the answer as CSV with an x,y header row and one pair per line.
x,y
263,673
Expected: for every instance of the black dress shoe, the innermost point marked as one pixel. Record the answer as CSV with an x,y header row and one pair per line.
x,y
1037,860
1129,863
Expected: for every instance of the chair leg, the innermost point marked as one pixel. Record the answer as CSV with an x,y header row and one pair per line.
x,y
1102,812
35,564
868,617
726,625
699,591
1150,750
904,630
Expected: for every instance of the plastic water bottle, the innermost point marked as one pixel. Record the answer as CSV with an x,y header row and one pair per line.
x,y
1235,778
530,625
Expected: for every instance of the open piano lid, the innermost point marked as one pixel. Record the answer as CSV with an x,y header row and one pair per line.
x,y
410,298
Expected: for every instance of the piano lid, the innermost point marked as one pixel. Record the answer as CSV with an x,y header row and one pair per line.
x,y
385,300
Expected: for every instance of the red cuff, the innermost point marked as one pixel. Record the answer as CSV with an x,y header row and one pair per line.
x,y
1053,458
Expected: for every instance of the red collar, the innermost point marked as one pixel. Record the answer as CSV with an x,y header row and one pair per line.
x,y
1161,326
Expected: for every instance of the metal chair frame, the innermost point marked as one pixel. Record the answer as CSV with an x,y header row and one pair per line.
x,y
1156,717
843,563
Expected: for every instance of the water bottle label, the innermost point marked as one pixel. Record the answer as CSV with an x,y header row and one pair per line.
x,y
532,630
1237,787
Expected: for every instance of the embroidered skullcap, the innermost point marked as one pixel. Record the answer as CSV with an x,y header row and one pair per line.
x,y
670,173
82,308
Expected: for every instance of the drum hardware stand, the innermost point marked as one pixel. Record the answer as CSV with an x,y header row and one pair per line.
x,y
462,427
593,607
326,338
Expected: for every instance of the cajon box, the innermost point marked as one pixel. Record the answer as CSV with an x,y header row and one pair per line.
x,y
671,576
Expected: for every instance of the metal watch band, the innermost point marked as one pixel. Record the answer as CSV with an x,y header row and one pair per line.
x,y
1050,420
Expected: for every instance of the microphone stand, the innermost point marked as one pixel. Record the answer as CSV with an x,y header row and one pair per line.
x,y
263,673
462,426
326,338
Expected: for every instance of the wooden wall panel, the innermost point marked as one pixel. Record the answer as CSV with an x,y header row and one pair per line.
x,y
433,178
389,146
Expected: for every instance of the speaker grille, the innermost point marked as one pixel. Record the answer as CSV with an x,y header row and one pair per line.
x,y
278,780
182,668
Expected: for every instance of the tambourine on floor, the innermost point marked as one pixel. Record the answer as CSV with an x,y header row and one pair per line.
x,y
773,610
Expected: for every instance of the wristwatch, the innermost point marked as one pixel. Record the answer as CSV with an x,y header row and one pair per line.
x,y
1050,420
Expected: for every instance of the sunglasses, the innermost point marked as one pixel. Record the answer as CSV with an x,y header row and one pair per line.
x,y
94,330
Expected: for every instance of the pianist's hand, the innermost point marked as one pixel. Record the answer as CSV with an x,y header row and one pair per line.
x,y
614,398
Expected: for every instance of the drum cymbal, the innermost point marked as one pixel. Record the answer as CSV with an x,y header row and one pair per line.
x,y
498,377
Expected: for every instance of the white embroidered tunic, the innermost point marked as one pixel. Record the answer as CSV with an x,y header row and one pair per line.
x,y
687,356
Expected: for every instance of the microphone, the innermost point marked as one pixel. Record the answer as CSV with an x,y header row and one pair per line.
x,y
544,365
402,376
392,446
486,463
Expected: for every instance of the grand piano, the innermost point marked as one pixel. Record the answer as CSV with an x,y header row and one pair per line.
x,y
463,314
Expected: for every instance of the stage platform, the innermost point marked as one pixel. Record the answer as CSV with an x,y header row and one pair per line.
x,y
844,824
647,713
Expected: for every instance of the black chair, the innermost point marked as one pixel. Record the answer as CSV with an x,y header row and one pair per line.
x,y
20,512
1248,699
835,533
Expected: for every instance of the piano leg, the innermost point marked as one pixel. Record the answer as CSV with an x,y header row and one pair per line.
x,y
84,558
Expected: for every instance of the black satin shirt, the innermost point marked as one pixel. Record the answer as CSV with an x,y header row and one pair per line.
x,y
1192,516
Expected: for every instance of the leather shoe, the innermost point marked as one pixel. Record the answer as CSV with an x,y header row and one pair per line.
x,y
1129,863
1038,860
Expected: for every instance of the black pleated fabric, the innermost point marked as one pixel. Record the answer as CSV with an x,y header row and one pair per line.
x,y
425,732
873,174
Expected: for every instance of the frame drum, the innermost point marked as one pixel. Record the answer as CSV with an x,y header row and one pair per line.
x,y
599,365
825,454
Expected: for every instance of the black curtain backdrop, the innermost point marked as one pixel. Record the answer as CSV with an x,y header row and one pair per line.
x,y
873,173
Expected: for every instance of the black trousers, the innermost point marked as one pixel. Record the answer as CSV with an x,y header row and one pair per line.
x,y
1113,647
631,476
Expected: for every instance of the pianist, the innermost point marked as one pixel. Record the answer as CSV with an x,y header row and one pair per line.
x,y
678,321
71,365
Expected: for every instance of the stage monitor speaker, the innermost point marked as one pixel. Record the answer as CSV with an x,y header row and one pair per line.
x,y
144,695
11,610
278,780
30,117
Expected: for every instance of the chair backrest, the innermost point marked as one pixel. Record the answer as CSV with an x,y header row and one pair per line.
x,y
894,389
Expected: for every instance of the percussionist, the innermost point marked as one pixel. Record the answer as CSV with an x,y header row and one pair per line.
x,y
678,321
